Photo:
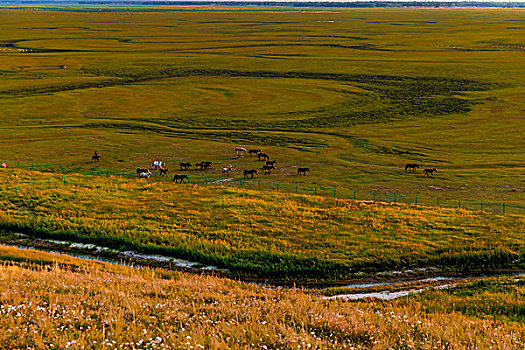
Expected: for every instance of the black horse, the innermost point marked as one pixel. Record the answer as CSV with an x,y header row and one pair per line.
x,y
96,157
411,166
302,171
271,162
250,172
164,171
268,169
142,170
180,177
254,151
184,166
203,165
429,172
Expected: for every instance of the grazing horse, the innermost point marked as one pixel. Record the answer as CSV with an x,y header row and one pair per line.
x,y
302,171
271,162
429,172
411,166
250,172
184,166
263,156
268,169
157,164
180,177
203,165
96,157
227,170
164,171
254,151
145,175
239,150
142,170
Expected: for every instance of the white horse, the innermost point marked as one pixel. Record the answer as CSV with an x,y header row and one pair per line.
x,y
145,175
227,170
157,164
239,150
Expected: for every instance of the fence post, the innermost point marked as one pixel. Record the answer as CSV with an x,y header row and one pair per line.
x,y
437,201
416,198
503,208
107,172
395,197
354,193
315,190
205,180
334,192
277,187
459,203
296,187
155,176
49,182
374,196
33,187
64,179
481,205
18,163
259,185
31,165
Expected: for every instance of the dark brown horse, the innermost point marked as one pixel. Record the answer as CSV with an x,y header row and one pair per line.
x,y
268,169
302,171
429,172
142,170
271,162
250,172
263,156
96,157
181,178
254,151
164,171
184,166
411,166
203,165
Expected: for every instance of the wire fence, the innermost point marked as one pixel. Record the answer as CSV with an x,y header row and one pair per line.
x,y
76,175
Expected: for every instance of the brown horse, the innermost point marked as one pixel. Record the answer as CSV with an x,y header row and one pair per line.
x,y
302,171
254,151
429,172
181,178
263,156
142,170
271,162
203,165
164,171
250,172
413,167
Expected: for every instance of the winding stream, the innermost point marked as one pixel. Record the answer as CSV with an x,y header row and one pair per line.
x,y
140,260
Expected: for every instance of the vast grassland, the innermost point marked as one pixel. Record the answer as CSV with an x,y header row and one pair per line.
x,y
263,234
55,302
352,94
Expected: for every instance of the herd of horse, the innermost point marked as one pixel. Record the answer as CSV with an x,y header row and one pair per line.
x,y
267,168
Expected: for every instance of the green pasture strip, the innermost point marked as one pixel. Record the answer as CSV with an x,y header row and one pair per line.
x,y
267,233
264,184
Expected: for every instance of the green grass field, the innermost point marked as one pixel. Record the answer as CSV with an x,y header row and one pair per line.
x,y
352,94
259,234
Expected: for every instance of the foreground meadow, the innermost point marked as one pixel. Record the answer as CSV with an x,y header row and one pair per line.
x,y
352,94
263,234
55,302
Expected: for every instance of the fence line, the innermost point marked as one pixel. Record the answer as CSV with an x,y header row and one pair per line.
x,y
70,172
